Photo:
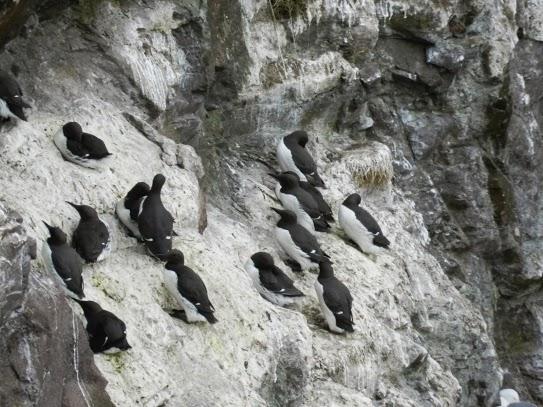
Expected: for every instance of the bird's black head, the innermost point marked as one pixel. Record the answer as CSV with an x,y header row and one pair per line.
x,y
85,211
73,131
123,344
287,179
57,235
507,381
158,182
352,201
89,307
300,137
287,216
262,260
137,191
175,256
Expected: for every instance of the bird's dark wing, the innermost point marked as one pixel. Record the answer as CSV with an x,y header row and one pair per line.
x,y
90,238
278,282
338,298
68,265
303,160
367,220
95,147
77,149
308,203
308,243
191,287
324,208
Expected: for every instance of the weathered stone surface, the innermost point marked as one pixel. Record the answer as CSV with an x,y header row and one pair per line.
x,y
440,101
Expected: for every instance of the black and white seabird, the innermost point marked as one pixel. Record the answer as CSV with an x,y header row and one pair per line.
x,y
79,147
508,396
155,223
293,156
360,226
188,289
63,261
270,281
298,200
107,333
11,98
297,242
92,238
335,300
128,208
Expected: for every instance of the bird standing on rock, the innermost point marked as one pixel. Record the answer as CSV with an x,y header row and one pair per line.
x,y
188,289
63,261
107,333
297,242
91,239
293,156
270,281
360,226
335,300
155,223
298,200
11,98
80,148
128,209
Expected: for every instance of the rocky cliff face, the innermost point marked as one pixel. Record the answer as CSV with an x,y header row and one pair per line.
x,y
446,96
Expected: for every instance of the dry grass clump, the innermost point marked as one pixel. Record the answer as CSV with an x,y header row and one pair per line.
x,y
370,165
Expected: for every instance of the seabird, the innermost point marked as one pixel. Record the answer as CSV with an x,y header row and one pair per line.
x,y
155,223
92,238
128,208
297,242
11,98
298,200
188,289
360,226
79,147
270,281
63,261
335,300
107,333
508,396
293,156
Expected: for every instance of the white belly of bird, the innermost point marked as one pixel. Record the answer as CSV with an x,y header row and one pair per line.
x,y
286,162
108,246
508,396
292,204
290,248
5,113
170,280
356,231
47,258
124,217
328,314
61,142
276,299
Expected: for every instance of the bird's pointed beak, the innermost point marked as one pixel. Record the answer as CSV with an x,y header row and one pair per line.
x,y
49,227
279,211
275,176
72,204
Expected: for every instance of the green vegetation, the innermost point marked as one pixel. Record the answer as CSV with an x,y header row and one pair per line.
x,y
116,360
